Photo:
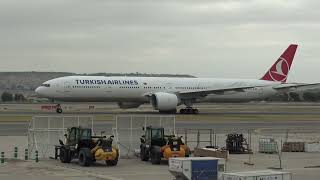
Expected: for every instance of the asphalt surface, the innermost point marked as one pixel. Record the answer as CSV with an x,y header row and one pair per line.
x,y
21,128
255,108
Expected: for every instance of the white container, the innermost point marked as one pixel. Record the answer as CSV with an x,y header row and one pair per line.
x,y
267,145
257,175
187,168
312,147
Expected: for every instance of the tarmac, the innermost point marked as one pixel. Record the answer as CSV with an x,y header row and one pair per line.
x,y
301,120
134,169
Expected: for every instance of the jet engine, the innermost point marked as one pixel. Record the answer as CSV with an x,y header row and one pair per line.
x,y
164,102
128,105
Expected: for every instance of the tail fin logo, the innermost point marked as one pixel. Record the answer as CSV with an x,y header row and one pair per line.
x,y
280,71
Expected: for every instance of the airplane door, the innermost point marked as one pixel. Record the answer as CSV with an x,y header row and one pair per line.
x,y
108,91
67,87
169,87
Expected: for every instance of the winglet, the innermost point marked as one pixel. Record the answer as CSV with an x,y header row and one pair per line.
x,y
280,69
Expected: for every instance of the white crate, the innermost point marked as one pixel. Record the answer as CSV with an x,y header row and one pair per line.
x,y
261,175
312,147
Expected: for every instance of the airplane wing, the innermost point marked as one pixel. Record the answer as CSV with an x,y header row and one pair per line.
x,y
285,87
203,93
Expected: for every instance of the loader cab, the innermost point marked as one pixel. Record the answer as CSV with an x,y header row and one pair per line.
x,y
78,135
155,136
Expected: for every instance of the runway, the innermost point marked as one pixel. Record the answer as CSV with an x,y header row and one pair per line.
x,y
14,117
256,108
21,128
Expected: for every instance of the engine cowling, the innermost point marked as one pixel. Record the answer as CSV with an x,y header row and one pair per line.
x,y
128,105
164,101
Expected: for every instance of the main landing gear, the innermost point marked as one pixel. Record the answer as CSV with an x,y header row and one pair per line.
x,y
189,110
58,109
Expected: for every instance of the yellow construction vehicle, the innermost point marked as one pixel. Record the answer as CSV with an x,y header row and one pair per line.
x,y
156,146
81,145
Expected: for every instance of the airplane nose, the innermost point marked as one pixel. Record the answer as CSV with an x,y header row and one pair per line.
x,y
39,91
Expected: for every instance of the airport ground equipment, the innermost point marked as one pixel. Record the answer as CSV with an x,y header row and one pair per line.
x,y
237,144
82,145
211,152
156,145
293,147
252,175
268,145
312,147
200,168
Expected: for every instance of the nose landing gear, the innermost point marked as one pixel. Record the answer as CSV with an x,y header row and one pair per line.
x,y
58,109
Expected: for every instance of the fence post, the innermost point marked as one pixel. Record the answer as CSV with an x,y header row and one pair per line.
x,y
15,154
2,157
186,136
211,139
37,156
26,153
198,138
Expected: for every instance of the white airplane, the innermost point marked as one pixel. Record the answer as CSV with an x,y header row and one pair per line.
x,y
166,94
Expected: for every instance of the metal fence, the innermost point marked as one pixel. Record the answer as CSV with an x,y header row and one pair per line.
x,y
45,131
129,128
217,137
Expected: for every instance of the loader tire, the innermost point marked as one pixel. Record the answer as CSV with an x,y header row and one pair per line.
x,y
65,156
144,155
85,158
155,155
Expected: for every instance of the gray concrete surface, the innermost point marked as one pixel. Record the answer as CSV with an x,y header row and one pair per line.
x,y
134,169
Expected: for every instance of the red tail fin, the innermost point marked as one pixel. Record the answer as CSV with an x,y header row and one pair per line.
x,y
280,69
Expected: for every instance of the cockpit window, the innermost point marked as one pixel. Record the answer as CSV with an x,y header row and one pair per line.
x,y
45,85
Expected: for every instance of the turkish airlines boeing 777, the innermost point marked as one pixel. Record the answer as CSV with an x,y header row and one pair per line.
x,y
166,94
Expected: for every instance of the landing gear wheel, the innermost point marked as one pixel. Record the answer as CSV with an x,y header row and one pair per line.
x,y
59,110
195,111
182,111
174,111
189,111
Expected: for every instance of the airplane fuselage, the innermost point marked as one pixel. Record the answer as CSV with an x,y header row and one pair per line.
x,y
136,89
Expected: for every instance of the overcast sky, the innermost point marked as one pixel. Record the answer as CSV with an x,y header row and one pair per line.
x,y
213,38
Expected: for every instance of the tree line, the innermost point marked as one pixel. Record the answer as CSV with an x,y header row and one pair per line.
x,y
8,97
